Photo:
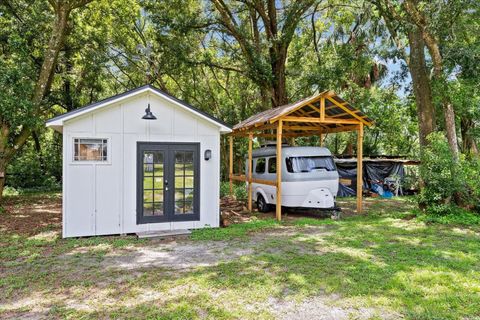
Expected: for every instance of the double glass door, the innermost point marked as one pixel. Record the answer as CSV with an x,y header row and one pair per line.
x,y
167,182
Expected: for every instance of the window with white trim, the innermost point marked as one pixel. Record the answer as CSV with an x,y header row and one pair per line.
x,y
86,149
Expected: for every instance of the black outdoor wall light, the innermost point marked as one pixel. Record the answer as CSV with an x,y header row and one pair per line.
x,y
148,114
208,154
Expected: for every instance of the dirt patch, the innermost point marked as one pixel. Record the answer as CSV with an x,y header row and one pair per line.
x,y
327,307
31,215
174,255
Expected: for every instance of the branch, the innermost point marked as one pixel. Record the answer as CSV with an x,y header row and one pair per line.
x,y
214,65
79,3
229,22
430,41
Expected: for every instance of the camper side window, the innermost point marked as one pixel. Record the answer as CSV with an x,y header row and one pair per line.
x,y
260,167
272,165
309,164
90,150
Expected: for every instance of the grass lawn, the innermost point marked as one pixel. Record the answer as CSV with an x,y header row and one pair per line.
x,y
383,265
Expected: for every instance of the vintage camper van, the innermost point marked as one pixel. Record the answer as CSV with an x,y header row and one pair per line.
x,y
309,178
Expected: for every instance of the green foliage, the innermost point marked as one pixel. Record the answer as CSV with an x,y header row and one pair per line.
x,y
239,190
449,214
34,169
224,189
184,48
446,179
438,171
10,191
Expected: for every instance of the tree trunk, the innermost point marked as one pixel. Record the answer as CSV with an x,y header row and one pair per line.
x,y
38,150
432,43
450,127
468,143
7,149
421,86
3,166
51,55
279,87
4,131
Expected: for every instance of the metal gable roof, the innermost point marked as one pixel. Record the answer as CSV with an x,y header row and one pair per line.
x,y
58,120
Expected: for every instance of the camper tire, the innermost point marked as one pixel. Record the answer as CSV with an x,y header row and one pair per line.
x,y
262,204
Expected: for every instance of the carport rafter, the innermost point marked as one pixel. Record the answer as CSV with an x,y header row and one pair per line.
x,y
326,113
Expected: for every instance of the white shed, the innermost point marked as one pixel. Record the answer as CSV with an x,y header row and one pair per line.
x,y
125,172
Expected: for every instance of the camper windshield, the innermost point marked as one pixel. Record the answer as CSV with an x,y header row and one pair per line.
x,y
309,164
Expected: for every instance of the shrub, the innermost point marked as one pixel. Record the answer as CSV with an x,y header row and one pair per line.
x,y
437,169
30,171
449,214
239,190
224,189
447,180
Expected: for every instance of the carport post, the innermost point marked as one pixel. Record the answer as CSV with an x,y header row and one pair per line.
x,y
322,118
230,165
249,177
359,167
278,211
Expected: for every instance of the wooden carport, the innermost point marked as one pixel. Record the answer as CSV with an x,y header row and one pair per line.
x,y
316,115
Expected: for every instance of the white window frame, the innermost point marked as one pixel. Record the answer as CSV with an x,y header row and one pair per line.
x,y
88,162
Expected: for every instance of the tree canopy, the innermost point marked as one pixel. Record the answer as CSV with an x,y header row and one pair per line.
x,y
410,65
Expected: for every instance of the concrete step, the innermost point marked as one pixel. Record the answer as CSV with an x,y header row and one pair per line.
x,y
162,234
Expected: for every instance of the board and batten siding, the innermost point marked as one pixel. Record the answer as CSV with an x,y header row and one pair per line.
x,y
100,198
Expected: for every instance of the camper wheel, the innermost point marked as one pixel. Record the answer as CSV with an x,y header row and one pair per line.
x,y
262,205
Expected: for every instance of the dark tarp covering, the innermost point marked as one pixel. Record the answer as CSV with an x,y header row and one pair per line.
x,y
372,170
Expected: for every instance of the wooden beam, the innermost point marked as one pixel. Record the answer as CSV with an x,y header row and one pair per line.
x,y
360,169
345,114
230,164
306,131
341,106
309,130
303,128
257,127
250,143
263,135
240,177
325,131
278,209
335,106
341,129
317,120
322,109
340,121
264,181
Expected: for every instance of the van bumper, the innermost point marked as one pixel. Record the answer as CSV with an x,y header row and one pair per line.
x,y
320,198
